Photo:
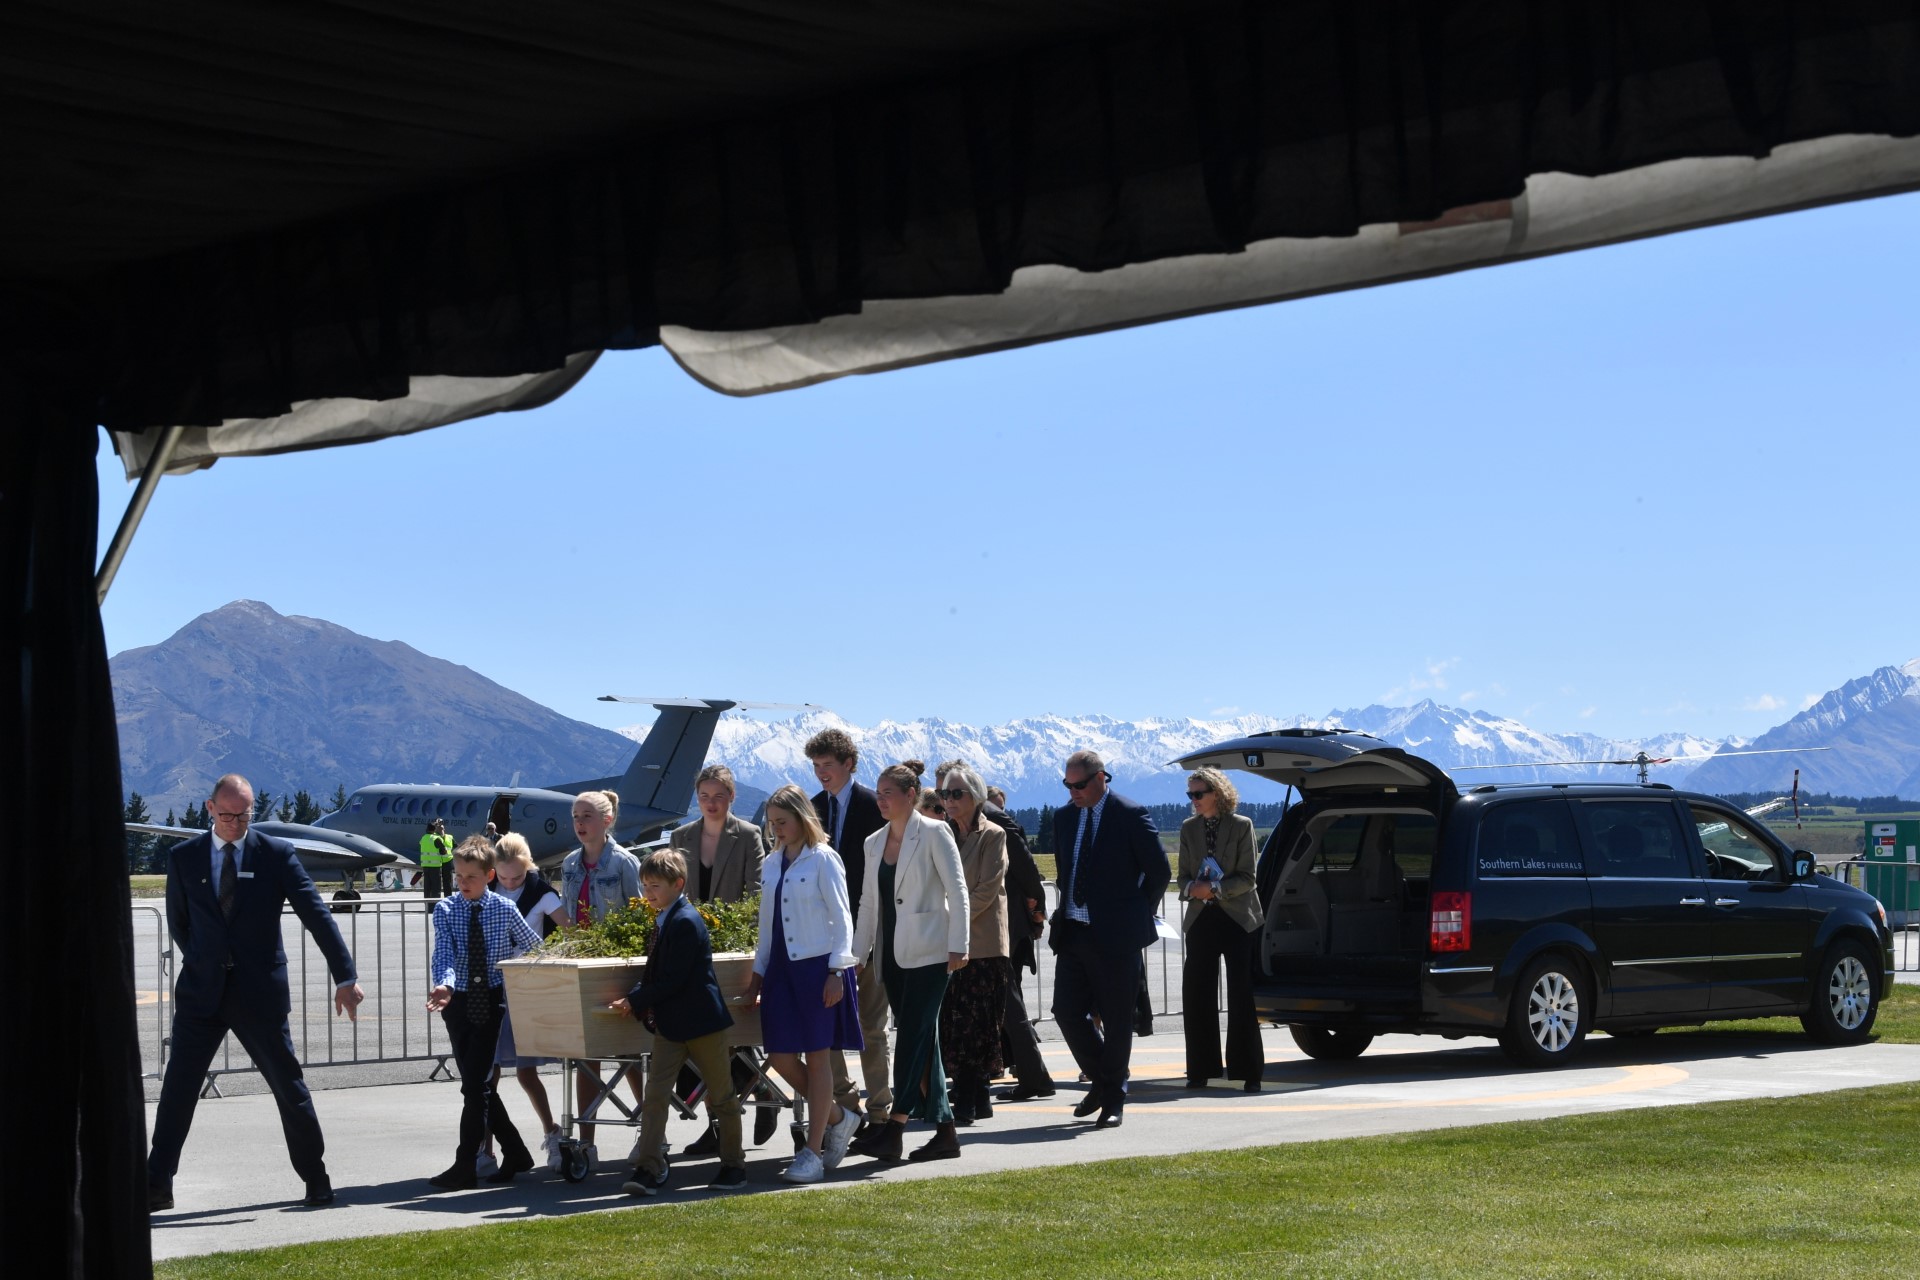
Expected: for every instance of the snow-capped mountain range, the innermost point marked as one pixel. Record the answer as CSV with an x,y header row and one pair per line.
x,y
1024,756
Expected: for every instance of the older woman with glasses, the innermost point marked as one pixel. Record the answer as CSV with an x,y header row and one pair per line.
x,y
976,995
1222,919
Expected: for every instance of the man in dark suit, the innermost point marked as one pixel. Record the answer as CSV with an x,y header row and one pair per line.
x,y
1112,873
224,893
849,813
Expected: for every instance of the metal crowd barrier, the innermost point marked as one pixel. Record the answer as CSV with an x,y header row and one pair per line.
x,y
1897,887
391,942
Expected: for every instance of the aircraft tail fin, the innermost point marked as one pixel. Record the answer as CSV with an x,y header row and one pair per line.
x,y
659,781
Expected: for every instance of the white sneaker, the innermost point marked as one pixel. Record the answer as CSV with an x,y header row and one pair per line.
x,y
806,1167
839,1134
484,1164
551,1145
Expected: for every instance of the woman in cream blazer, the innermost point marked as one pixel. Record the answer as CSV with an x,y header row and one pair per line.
x,y
722,849
1222,921
912,928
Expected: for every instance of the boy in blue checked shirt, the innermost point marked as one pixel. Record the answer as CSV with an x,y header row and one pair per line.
x,y
678,998
473,931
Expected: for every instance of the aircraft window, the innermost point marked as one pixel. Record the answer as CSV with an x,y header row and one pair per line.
x,y
413,805
440,808
473,808
379,808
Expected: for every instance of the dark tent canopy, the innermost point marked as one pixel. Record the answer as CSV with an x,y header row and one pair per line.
x,y
217,209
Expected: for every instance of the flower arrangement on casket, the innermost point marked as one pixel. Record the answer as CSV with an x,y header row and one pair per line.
x,y
559,993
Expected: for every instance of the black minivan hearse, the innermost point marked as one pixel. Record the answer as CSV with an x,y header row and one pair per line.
x,y
1537,913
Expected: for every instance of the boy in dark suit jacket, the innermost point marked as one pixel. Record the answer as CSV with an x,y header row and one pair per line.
x,y
678,998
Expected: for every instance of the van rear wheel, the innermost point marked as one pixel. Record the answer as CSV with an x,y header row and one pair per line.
x,y
1548,1019
1330,1044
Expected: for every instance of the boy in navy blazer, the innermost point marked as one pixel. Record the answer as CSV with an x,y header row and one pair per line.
x,y
678,998
224,893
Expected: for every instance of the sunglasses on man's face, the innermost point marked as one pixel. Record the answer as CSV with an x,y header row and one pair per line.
x,y
1195,795
1080,785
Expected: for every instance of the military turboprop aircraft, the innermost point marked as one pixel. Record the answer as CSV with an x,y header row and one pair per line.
x,y
321,852
362,835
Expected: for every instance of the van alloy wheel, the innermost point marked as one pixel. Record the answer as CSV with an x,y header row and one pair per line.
x,y
1547,1021
1845,998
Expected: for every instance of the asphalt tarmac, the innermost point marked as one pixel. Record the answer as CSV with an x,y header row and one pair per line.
x,y
235,1189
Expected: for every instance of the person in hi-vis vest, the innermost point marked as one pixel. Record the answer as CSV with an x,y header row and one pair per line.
x,y
436,856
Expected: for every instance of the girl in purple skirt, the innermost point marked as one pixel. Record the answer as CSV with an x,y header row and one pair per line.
x,y
803,975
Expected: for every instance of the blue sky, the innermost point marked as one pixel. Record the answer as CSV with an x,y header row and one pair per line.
x,y
1669,485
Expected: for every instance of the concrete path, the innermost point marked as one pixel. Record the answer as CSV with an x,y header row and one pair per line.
x,y
236,1190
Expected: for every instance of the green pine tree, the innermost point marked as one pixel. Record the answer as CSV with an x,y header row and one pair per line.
x,y
285,811
304,809
142,849
339,800
262,806
1043,838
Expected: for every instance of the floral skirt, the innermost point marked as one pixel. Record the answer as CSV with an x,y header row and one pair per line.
x,y
970,1018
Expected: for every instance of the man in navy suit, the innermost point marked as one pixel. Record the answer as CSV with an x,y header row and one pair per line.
x,y
1112,873
224,893
849,812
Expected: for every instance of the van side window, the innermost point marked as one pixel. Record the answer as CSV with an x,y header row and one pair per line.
x,y
1529,838
1636,839
1734,850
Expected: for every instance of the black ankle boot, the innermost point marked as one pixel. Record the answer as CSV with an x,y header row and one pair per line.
x,y
944,1145
961,1101
982,1100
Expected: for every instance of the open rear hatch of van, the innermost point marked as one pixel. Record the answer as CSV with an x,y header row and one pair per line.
x,y
1346,878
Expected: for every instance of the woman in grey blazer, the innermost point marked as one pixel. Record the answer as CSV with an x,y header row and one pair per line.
x,y
722,849
1221,923
723,853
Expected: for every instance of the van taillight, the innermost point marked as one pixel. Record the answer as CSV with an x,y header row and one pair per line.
x,y
1452,922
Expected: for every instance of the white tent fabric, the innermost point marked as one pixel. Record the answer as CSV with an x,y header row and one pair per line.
x,y
1556,213
316,424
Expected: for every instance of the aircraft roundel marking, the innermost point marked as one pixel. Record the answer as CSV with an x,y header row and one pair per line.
x,y
553,825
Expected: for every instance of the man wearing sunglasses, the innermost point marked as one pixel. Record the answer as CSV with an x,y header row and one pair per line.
x,y
1112,874
224,894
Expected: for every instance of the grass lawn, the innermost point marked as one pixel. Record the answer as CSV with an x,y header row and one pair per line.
x,y
148,886
1791,1187
1897,1023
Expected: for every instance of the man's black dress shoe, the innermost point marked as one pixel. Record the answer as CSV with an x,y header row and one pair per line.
x,y
1086,1107
765,1121
707,1144
1109,1118
1026,1092
1196,1082
159,1196
319,1193
460,1177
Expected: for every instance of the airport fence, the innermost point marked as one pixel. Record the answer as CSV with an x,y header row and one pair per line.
x,y
391,942
1897,886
